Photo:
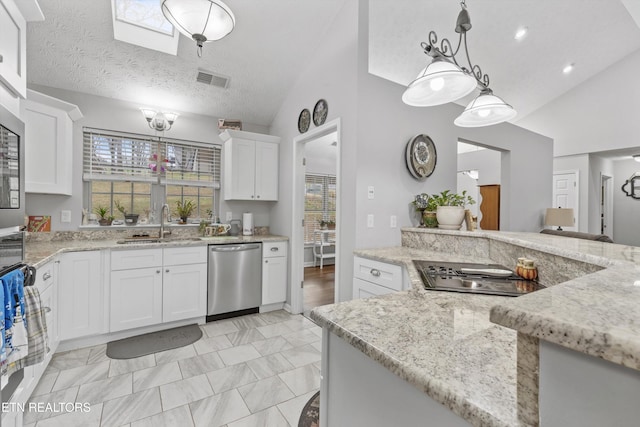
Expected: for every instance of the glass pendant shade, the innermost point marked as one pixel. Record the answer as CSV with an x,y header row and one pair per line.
x,y
438,83
487,109
205,19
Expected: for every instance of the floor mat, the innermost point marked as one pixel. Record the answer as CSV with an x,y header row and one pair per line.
x,y
141,345
310,416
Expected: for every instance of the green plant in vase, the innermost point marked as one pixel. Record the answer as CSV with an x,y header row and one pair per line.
x,y
129,219
103,213
426,205
450,210
184,209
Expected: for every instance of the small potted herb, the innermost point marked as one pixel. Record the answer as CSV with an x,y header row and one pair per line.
x,y
426,205
102,212
129,219
450,210
328,224
184,209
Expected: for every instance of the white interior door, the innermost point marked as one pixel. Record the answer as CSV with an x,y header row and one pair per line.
x,y
606,206
565,194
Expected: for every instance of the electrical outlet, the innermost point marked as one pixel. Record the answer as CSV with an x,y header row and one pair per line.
x,y
65,216
371,192
229,216
370,221
394,221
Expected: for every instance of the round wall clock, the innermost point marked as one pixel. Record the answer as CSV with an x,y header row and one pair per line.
x,y
421,156
304,120
320,112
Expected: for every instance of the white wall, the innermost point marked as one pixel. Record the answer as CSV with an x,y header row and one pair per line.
x,y
599,114
626,210
486,162
107,113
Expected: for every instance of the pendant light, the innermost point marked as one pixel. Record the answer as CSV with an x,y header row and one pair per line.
x,y
487,109
444,80
201,20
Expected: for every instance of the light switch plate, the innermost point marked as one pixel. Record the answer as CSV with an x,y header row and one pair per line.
x,y
393,221
371,192
65,216
229,216
370,221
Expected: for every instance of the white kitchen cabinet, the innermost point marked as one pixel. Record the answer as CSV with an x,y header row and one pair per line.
x,y
372,278
13,43
274,272
49,153
80,297
154,286
250,166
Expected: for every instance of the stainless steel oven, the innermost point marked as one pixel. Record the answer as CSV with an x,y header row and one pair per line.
x,y
11,170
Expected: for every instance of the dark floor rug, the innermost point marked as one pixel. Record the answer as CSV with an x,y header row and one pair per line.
x,y
153,342
310,416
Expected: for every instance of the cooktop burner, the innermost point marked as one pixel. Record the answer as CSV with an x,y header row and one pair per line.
x,y
493,279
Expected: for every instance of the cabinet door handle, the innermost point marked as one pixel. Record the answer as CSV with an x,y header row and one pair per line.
x,y
374,272
46,276
252,196
258,196
274,249
266,261
167,270
158,271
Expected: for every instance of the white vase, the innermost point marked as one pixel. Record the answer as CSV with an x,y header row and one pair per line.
x,y
450,217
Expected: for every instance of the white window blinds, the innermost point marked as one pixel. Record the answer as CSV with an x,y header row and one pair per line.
x,y
191,163
117,156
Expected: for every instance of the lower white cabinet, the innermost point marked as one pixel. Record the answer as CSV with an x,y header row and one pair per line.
x,y
161,285
274,272
80,298
372,278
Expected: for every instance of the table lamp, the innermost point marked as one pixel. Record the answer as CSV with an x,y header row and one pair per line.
x,y
560,217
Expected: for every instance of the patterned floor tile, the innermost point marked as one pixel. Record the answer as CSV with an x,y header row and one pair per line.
x,y
156,376
270,417
218,410
235,355
199,365
185,391
264,393
231,377
70,359
42,410
107,389
269,366
300,338
221,327
175,354
291,409
302,380
301,356
248,322
80,418
245,336
81,375
124,366
180,416
274,329
207,345
131,408
271,345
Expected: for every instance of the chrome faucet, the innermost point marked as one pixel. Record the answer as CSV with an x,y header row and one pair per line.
x,y
162,232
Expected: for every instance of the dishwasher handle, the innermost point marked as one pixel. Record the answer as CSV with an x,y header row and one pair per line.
x,y
233,248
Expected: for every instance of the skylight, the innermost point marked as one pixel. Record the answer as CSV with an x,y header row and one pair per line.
x,y
142,23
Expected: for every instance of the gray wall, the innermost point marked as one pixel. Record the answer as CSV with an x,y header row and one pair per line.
x,y
113,114
626,210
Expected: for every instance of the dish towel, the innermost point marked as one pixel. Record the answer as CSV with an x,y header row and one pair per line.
x,y
15,324
36,326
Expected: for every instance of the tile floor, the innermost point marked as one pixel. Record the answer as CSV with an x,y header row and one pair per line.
x,y
255,370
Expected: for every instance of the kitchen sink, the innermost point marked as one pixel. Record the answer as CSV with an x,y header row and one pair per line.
x,y
143,240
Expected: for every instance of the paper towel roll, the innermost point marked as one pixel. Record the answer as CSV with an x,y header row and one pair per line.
x,y
247,224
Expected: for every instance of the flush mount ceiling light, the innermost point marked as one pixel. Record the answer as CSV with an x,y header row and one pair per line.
x,y
157,120
568,68
636,157
445,80
521,33
201,20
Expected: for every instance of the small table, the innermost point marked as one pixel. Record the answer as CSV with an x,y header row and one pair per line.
x,y
321,240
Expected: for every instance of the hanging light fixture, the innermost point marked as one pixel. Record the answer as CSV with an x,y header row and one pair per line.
x,y
445,80
160,121
201,20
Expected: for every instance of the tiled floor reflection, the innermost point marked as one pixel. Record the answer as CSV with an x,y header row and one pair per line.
x,y
256,370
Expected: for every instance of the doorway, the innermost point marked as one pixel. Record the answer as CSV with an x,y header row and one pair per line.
x,y
308,238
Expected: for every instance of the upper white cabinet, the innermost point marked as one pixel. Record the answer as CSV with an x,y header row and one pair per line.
x,y
250,166
13,43
49,146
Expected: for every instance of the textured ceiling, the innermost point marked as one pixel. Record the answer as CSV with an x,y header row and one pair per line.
x,y
74,49
593,34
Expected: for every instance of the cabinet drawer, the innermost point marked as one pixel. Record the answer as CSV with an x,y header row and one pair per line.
x,y
274,249
364,289
380,273
186,255
44,276
138,258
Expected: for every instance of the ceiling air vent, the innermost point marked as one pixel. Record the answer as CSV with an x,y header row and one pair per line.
x,y
213,79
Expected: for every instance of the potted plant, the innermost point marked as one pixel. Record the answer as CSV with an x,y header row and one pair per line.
x,y
129,219
102,212
328,224
426,205
184,209
450,208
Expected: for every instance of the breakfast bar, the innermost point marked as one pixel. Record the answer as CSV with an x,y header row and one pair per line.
x,y
479,356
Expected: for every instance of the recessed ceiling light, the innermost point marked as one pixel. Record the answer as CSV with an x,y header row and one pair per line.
x,y
522,31
567,69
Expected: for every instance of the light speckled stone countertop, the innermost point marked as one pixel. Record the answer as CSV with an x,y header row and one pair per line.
x,y
39,252
446,344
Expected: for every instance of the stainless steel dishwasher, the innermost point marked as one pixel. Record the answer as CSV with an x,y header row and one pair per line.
x,y
234,280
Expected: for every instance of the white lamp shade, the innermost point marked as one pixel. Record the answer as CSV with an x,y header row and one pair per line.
x,y
438,83
486,110
211,19
559,217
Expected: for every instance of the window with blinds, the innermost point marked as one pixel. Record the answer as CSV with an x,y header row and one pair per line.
x,y
125,167
320,202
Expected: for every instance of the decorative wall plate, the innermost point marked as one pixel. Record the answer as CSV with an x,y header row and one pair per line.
x,y
421,156
320,112
304,120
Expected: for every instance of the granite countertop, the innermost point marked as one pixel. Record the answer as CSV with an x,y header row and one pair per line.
x,y
39,252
